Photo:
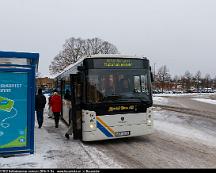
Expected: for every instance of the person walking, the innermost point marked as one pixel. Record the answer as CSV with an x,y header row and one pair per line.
x,y
68,97
50,113
56,104
40,102
69,132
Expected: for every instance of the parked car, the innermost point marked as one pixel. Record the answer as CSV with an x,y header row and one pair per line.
x,y
168,92
177,92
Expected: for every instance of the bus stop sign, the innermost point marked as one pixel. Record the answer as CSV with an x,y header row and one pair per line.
x,y
17,99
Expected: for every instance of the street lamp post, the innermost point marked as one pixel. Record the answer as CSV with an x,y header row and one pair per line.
x,y
154,69
154,87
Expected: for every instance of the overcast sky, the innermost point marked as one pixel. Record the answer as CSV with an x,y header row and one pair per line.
x,y
178,33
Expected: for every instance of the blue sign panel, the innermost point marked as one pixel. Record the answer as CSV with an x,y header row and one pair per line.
x,y
13,109
17,101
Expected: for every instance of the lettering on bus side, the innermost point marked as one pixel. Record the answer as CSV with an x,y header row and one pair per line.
x,y
121,108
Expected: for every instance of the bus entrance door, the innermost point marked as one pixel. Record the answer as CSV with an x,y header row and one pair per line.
x,y
76,105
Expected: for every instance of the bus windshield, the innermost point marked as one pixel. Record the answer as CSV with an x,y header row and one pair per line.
x,y
118,85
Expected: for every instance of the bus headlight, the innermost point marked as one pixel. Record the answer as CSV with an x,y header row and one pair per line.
x,y
149,122
92,126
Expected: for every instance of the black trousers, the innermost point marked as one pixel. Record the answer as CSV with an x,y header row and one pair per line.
x,y
40,117
57,116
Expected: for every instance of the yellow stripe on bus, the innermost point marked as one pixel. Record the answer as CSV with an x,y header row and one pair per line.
x,y
102,122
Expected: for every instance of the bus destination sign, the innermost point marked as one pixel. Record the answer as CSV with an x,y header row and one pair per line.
x,y
118,63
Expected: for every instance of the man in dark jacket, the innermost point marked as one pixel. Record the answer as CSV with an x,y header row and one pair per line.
x,y
40,102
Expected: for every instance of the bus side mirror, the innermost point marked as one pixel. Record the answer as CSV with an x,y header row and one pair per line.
x,y
152,78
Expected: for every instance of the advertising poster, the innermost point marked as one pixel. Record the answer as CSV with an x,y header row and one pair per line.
x,y
13,109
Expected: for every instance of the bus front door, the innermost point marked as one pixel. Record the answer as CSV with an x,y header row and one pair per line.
x,y
76,112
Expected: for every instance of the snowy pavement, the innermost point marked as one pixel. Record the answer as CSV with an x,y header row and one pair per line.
x,y
210,101
167,99
187,127
53,150
179,141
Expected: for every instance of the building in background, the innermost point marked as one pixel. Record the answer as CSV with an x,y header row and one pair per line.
x,y
45,83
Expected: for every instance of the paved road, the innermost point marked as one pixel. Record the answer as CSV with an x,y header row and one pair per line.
x,y
188,102
179,141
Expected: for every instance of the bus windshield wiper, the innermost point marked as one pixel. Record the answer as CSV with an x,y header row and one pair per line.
x,y
112,97
140,99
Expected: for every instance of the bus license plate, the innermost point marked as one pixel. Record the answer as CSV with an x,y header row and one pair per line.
x,y
124,133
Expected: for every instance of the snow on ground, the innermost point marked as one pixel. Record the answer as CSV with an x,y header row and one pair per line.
x,y
210,101
43,142
164,101
185,126
53,150
174,95
184,94
160,100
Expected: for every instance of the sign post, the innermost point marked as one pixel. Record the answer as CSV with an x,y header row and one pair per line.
x,y
17,95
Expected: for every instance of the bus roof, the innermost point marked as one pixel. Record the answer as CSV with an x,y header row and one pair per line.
x,y
69,67
113,56
72,67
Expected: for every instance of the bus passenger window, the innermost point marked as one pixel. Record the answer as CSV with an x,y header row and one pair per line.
x,y
92,87
137,88
144,85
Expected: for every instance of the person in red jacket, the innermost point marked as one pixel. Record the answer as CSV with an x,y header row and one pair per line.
x,y
56,104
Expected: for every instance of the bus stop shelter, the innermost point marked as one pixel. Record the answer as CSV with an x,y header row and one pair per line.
x,y
17,101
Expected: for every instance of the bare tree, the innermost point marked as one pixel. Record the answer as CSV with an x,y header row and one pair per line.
x,y
207,81
187,80
176,80
214,82
76,48
58,63
197,78
163,75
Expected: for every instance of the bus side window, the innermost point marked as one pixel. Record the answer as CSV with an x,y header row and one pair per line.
x,y
144,85
137,88
91,87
